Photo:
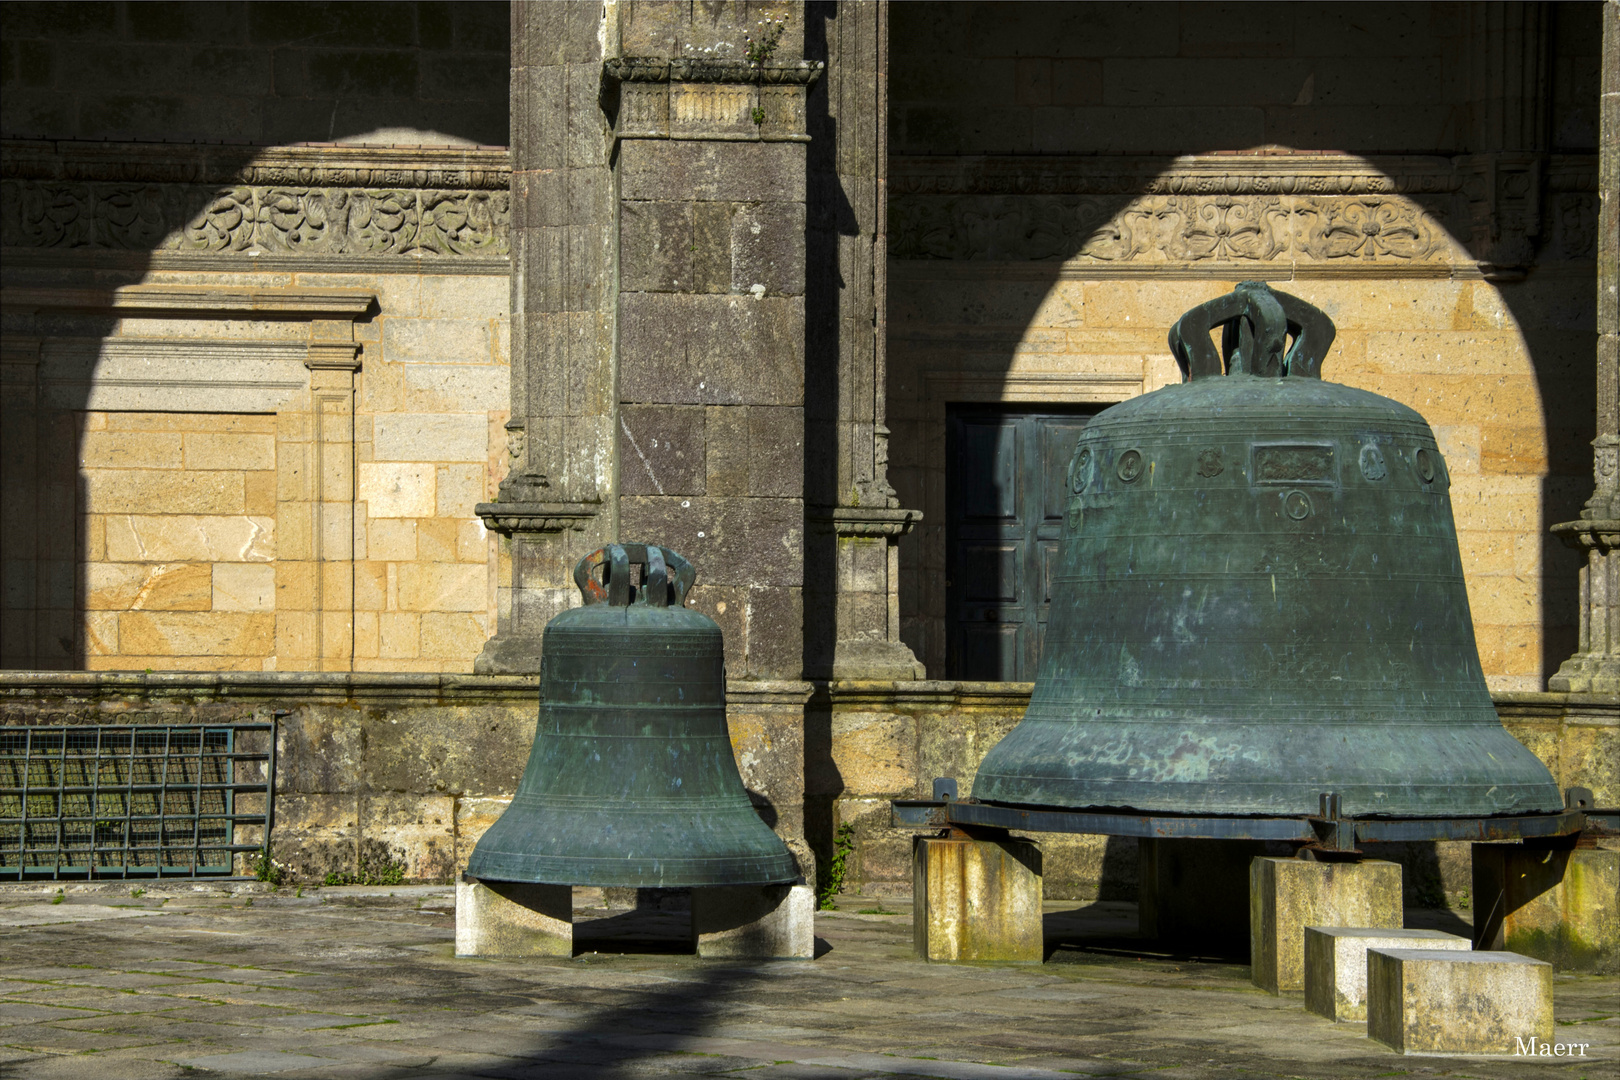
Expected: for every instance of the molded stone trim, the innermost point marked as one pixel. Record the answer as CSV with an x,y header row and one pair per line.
x,y
484,168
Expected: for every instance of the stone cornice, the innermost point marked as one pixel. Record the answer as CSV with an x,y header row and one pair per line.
x,y
865,520
163,299
657,69
1602,535
1203,174
485,168
517,518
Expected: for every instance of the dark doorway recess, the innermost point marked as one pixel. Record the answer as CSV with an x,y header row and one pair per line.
x,y
1004,524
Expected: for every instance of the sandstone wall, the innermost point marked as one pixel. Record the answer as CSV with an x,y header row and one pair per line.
x,y
240,506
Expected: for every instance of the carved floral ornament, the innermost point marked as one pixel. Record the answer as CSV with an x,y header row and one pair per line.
x,y
246,218
1160,228
1324,208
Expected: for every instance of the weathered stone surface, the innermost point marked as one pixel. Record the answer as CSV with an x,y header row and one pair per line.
x,y
977,900
769,922
705,171
1336,964
662,450
1560,904
508,919
1446,1002
1287,895
711,350
655,246
729,541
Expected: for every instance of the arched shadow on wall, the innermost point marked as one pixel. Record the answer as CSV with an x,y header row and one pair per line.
x,y
47,504
1552,308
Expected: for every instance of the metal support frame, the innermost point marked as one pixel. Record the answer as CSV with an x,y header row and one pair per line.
x,y
129,801
1329,831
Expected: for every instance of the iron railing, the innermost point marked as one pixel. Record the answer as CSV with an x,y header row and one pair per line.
x,y
133,801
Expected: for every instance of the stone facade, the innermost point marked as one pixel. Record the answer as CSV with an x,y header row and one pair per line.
x,y
330,380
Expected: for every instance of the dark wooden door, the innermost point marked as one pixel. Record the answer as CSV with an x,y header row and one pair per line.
x,y
1004,497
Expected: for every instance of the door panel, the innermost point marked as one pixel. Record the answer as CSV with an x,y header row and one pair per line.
x,y
1006,489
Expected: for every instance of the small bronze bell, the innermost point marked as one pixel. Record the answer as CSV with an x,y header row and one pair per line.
x,y
1259,600
631,780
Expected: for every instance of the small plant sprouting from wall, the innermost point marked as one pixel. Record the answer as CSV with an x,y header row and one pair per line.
x,y
267,869
375,869
832,871
760,51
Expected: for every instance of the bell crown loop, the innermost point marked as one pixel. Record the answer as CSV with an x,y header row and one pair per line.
x,y
1256,322
665,579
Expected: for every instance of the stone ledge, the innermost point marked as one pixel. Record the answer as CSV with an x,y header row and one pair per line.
x,y
164,300
326,687
480,168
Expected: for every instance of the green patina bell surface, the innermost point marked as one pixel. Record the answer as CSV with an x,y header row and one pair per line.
x,y
1259,599
631,780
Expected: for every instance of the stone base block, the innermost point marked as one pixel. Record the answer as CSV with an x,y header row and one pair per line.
x,y
1336,964
1427,1001
508,918
977,900
1193,895
1559,904
763,922
1287,895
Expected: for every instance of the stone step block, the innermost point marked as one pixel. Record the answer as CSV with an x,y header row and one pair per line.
x,y
1287,895
508,918
1336,964
770,922
1440,1001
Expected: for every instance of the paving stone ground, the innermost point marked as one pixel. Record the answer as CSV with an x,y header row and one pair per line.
x,y
362,983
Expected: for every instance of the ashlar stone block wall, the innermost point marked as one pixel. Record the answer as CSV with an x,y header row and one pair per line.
x,y
278,515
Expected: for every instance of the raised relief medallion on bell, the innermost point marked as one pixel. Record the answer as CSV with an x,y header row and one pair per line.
x,y
631,780
1260,599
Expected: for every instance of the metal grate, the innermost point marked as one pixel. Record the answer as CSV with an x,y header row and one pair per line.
x,y
133,801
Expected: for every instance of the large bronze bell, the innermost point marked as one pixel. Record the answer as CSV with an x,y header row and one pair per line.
x,y
1259,600
631,780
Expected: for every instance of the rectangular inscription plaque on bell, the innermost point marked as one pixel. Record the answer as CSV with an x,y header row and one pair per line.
x,y
1293,463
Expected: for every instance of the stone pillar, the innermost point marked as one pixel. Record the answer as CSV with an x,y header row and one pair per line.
x,y
977,900
1507,71
555,504
333,359
852,583
1595,667
1287,895
1556,902
709,105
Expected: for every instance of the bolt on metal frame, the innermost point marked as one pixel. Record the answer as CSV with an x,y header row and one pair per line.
x,y
132,801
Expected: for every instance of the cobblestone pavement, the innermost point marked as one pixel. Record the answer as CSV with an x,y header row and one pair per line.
x,y
362,983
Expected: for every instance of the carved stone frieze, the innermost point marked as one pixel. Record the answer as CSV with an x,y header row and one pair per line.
x,y
1333,209
698,69
297,220
1170,229
695,98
